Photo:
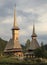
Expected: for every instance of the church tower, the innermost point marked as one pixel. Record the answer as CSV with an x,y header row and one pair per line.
x,y
34,43
33,33
15,31
13,47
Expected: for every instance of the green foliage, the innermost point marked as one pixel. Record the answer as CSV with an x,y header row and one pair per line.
x,y
2,45
45,46
45,54
38,60
13,61
41,52
38,52
23,48
27,44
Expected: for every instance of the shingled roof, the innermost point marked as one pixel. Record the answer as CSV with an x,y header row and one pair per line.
x,y
13,46
34,43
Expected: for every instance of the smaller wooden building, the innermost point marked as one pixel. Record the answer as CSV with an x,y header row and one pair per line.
x,y
33,45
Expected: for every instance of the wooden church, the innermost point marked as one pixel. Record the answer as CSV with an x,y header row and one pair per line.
x,y
13,47
33,44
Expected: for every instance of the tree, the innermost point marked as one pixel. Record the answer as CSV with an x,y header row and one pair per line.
x,y
45,54
42,47
41,52
2,45
27,44
23,47
38,52
45,46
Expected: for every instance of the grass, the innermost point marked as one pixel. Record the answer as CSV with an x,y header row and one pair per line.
x,y
14,61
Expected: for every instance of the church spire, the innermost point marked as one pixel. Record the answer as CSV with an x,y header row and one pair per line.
x,y
33,28
34,34
15,24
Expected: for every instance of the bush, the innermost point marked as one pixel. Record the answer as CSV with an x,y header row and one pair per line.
x,y
38,60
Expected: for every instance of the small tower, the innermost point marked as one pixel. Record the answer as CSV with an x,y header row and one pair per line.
x,y
33,44
34,34
13,47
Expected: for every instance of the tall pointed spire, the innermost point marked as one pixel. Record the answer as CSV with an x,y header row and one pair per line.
x,y
15,24
34,34
33,28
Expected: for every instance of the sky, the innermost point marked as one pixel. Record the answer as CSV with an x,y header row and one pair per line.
x,y
28,12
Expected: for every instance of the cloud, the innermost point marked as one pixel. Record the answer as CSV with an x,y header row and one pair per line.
x,y
27,13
